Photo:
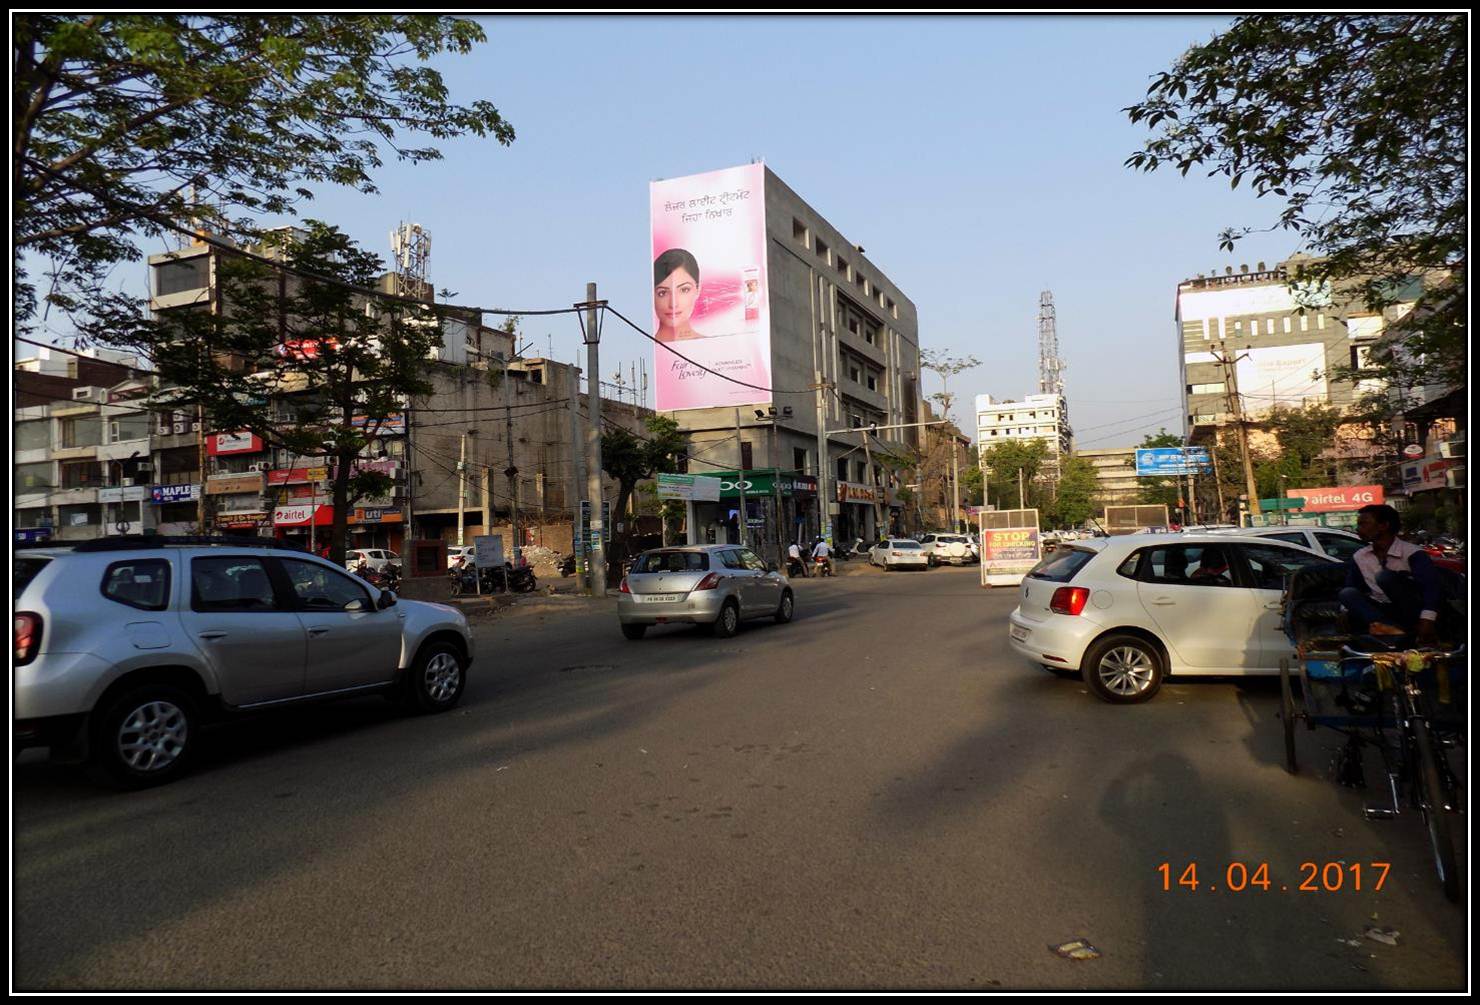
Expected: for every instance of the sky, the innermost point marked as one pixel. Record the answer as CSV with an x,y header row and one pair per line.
x,y
979,160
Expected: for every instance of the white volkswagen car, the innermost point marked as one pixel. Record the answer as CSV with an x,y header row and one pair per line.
x,y
1124,612
899,553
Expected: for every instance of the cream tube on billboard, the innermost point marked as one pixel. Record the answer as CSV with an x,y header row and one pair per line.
x,y
711,315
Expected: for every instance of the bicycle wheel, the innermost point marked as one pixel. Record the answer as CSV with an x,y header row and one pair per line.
x,y
1431,804
1287,713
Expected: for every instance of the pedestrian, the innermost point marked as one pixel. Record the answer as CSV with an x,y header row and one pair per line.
x,y
1392,586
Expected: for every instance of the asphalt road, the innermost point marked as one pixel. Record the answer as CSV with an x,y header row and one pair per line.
x,y
878,795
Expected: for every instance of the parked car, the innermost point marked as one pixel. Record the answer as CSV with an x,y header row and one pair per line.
x,y
125,646
1124,612
376,558
456,551
719,585
953,549
1339,544
899,553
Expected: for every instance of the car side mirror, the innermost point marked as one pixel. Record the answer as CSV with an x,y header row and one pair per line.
x,y
387,599
355,606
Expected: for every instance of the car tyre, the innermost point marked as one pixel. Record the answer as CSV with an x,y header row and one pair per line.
x,y
1123,669
728,623
145,736
436,679
786,609
634,632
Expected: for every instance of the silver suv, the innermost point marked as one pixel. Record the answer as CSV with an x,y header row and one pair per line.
x,y
125,646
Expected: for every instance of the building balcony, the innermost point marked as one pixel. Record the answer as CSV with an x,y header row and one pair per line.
x,y
874,352
860,393
122,450
74,496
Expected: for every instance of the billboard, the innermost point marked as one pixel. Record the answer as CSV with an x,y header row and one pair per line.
x,y
1426,473
1286,375
711,301
1167,462
222,444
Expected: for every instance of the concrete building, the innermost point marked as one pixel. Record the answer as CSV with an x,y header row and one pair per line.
x,y
1287,344
838,323
1037,417
1115,470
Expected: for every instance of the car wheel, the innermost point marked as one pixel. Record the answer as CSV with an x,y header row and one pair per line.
x,y
146,736
787,608
1123,669
634,631
728,622
436,679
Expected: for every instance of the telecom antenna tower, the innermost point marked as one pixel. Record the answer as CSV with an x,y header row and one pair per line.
x,y
411,244
1050,366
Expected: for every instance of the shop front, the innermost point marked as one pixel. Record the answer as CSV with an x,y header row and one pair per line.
x,y
856,514
778,508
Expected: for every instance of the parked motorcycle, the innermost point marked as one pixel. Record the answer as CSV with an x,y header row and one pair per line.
x,y
463,579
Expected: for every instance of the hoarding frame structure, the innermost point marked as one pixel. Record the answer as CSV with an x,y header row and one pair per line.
x,y
1018,525
712,224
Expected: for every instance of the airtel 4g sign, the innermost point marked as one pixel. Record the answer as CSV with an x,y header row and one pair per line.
x,y
1340,499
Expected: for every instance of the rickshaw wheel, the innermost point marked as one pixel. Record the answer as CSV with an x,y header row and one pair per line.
x,y
1287,713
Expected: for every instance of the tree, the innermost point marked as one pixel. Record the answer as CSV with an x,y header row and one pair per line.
x,y
945,366
973,490
313,366
630,458
1003,462
1359,123
127,126
1074,496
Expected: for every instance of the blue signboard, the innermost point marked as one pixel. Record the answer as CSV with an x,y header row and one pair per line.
x,y
1169,462
32,535
175,493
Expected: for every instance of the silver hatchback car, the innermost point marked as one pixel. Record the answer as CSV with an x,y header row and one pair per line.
x,y
718,585
125,646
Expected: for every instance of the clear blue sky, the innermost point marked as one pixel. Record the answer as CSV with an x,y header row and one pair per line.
x,y
979,160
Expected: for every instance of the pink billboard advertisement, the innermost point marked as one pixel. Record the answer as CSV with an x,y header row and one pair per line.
x,y
710,299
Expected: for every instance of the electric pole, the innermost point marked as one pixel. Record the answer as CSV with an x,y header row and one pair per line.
x,y
511,472
577,473
740,477
462,484
1235,402
824,462
592,336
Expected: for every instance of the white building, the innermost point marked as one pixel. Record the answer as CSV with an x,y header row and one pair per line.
x,y
1037,417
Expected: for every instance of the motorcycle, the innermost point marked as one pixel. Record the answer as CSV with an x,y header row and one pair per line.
x,y
821,566
568,565
463,579
795,567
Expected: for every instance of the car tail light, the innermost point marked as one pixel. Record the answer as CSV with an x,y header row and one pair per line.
x,y
27,637
709,582
1068,600
624,587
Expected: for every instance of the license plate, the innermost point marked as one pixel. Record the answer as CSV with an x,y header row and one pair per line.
x,y
661,598
1019,634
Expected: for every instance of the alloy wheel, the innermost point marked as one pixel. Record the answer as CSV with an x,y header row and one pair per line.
x,y
1126,671
442,676
153,736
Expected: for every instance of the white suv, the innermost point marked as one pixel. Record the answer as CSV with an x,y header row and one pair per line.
x,y
124,646
955,549
1123,612
1339,544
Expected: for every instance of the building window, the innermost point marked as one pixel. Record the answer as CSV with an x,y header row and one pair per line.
x,y
1321,322
821,249
853,374
873,382
29,477
1287,325
893,310
33,435
1269,326
82,432
799,232
1205,388
182,275
799,458
842,469
843,265
746,460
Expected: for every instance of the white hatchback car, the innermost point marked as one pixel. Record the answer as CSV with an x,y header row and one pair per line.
x,y
899,553
376,558
1124,612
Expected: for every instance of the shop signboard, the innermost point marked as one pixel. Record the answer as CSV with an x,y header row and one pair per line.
x,y
291,476
488,551
852,493
242,519
301,515
225,444
32,535
390,425
1426,474
230,485
123,494
164,494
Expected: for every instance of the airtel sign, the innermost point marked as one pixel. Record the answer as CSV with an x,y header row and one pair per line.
x,y
1342,499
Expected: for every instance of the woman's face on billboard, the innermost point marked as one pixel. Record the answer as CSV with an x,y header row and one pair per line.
x,y
674,298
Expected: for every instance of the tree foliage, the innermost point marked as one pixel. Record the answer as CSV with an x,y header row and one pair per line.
x,y
629,458
126,125
311,366
1003,461
1358,124
1074,494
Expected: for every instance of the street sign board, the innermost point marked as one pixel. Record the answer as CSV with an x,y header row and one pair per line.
x,y
488,551
695,487
1170,462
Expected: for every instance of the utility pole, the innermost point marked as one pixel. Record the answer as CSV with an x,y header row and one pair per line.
x,y
1022,503
511,472
462,484
740,479
873,483
824,462
592,336
955,486
1230,376
577,473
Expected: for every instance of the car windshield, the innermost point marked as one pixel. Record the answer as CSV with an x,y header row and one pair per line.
x,y
25,570
672,561
1061,565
